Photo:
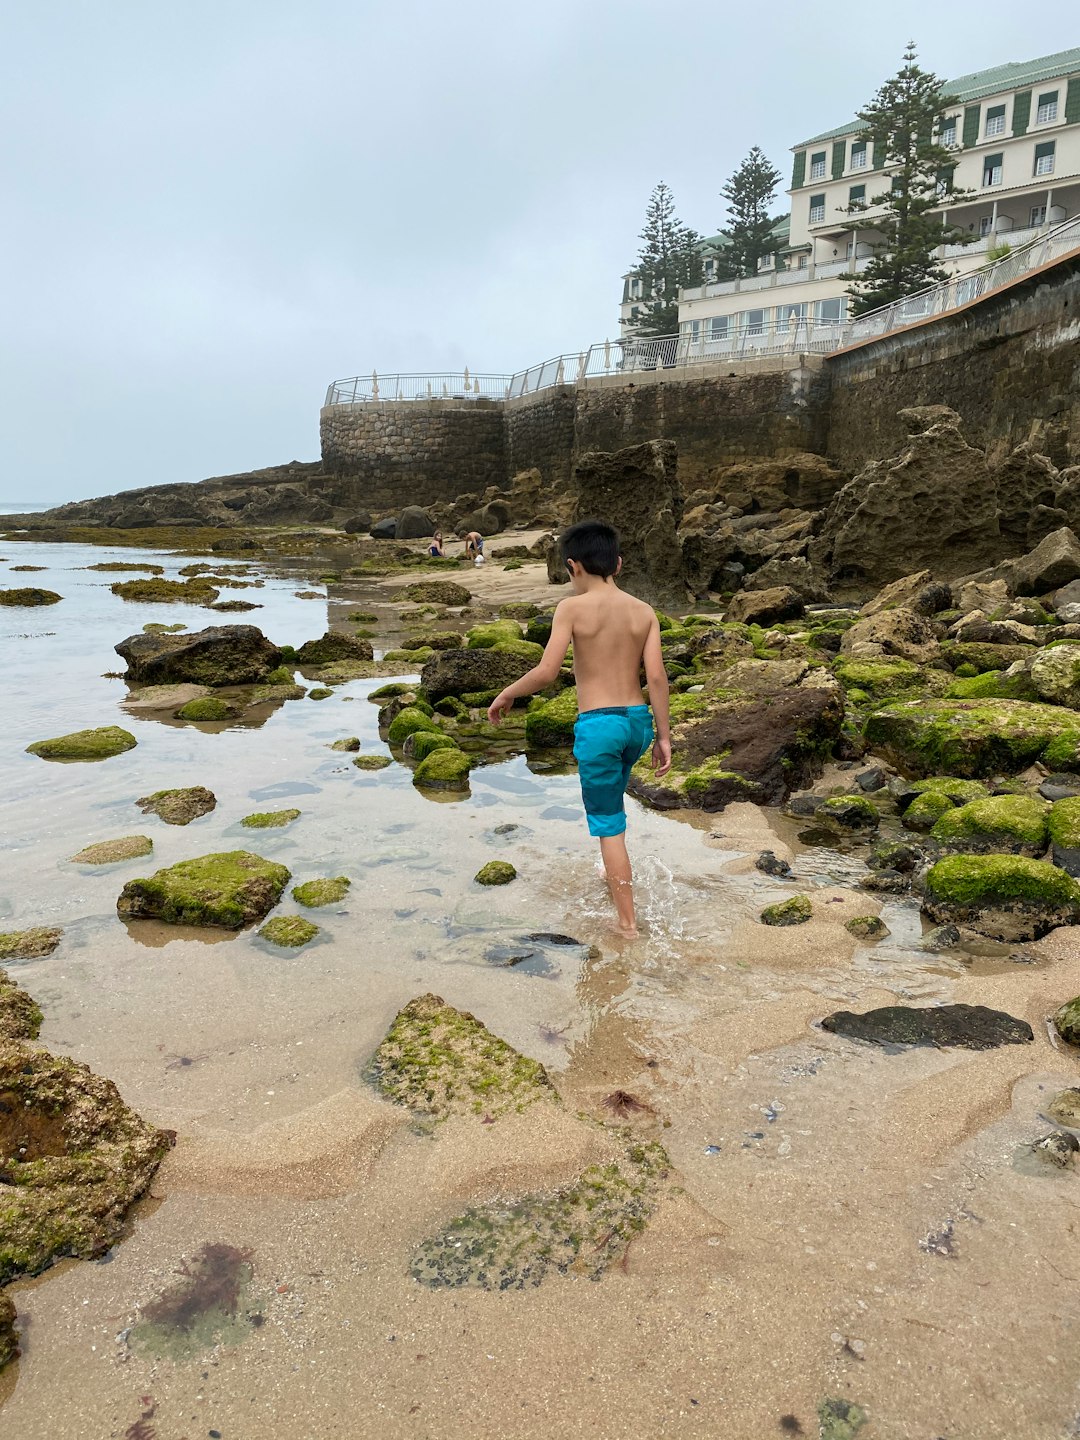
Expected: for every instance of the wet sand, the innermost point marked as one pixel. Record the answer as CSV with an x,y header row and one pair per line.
x,y
838,1222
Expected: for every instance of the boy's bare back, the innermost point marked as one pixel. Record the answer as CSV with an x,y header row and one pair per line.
x,y
609,631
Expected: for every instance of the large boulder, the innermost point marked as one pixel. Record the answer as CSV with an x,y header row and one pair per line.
x,y
227,890
218,655
919,592
334,645
465,672
414,523
637,491
1008,897
1055,674
1054,562
766,607
385,529
972,738
897,632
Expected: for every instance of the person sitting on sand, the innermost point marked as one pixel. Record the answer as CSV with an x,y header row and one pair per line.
x,y
474,547
436,546
613,635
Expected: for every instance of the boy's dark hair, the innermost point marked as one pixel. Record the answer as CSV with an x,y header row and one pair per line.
x,y
594,545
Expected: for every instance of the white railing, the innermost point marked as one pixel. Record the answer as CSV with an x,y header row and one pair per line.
x,y
743,340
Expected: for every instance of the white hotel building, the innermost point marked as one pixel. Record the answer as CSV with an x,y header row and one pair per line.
x,y
1016,133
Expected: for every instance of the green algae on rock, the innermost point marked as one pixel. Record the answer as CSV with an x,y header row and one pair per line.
x,y
496,872
795,911
270,819
1008,897
155,627
1055,674
320,692
422,743
551,724
331,647
372,762
226,890
29,596
314,893
74,1159
440,1061
965,1027
993,685
971,738
840,1419
29,944
179,807
1063,825
1067,1021
1013,823
888,676
444,769
20,1019
483,637
849,812
406,721
9,1341
582,1228
119,567
97,744
110,852
437,592
292,931
867,927
157,591
1065,1106
926,810
349,743
208,707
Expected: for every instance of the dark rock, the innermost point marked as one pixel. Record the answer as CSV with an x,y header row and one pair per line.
x,y
804,806
463,672
334,645
414,524
9,1339
966,1027
770,864
1060,787
871,780
1057,1149
384,529
357,524
896,855
941,937
219,655
886,882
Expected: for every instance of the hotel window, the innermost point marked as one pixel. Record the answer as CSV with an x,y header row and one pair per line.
x,y
817,166
1044,158
826,312
992,170
710,266
985,225
804,262
948,131
790,315
754,322
856,198
1038,215
1047,108
858,155
766,262
635,288
817,209
695,329
718,327
995,120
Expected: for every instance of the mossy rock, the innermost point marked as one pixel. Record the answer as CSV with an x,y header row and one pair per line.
x,y
30,944
1016,824
9,1338
867,927
391,691
970,738
372,762
439,1061
196,591
273,694
155,627
270,819
1008,897
320,692
960,792
993,685
795,911
406,722
20,1017
434,640
483,637
518,610
422,743
877,677
538,630
445,769
98,744
333,647
209,707
119,567
981,656
1055,674
1067,1024
362,617
1063,825
291,931
226,890
348,744
314,893
966,671
452,708
479,699
75,1158
29,596
410,658
849,812
111,852
551,725
496,872
522,649
926,810
281,675
179,807
437,592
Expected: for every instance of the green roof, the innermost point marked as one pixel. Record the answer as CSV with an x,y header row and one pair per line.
x,y
781,230
1012,76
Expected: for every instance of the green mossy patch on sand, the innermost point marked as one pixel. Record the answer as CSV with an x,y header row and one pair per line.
x,y
208,707
289,930
1013,823
98,744
973,737
270,819
407,721
362,617
196,591
372,762
29,596
993,685
496,872
74,1159
445,769
1009,897
20,1017
226,890
795,911
179,807
422,743
439,1061
314,893
29,944
111,852
437,592
840,1419
551,725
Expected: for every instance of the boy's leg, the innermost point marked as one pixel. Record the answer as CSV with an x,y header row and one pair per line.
x,y
620,880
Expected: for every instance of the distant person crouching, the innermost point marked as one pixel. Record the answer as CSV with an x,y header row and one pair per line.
x,y
474,547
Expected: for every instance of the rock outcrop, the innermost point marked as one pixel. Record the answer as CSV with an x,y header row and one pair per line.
x,y
218,655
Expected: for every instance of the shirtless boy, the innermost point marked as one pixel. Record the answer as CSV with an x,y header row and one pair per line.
x,y
613,635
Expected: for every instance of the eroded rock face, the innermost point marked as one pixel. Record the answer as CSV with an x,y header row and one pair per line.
x,y
73,1157
637,491
892,632
218,655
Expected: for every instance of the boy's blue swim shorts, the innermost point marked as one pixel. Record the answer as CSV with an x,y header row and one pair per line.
x,y
607,743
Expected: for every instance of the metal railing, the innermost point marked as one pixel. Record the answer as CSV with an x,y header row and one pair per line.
x,y
741,339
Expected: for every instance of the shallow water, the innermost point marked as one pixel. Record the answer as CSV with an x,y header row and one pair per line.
x,y
814,1173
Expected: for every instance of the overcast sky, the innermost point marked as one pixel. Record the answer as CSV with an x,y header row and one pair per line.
x,y
211,210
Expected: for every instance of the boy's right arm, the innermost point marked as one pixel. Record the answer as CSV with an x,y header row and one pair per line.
x,y
657,681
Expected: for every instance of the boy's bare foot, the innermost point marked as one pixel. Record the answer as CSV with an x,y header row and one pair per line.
x,y
628,932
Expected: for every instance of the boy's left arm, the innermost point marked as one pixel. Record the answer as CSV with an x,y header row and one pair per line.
x,y
543,674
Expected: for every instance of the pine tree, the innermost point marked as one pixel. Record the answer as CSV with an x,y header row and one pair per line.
x,y
903,120
748,193
669,259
